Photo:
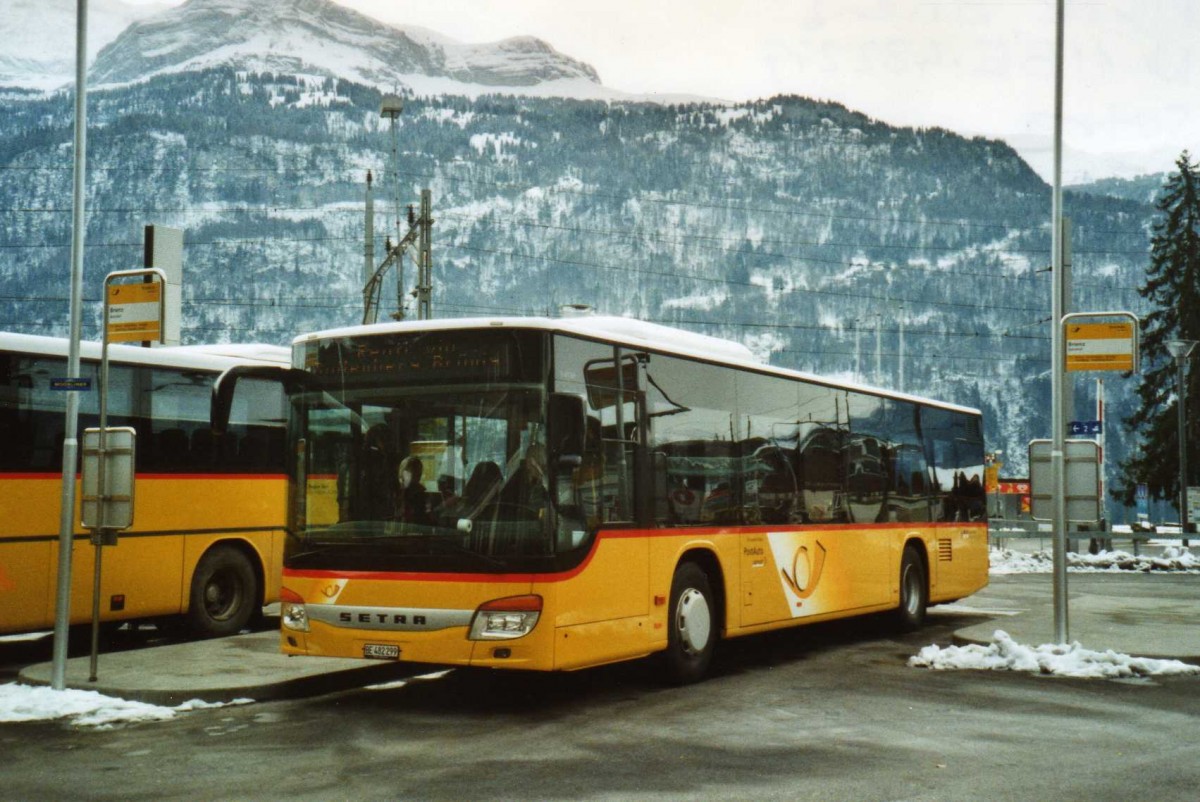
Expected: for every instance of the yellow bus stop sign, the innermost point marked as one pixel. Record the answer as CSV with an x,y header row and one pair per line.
x,y
134,312
1100,346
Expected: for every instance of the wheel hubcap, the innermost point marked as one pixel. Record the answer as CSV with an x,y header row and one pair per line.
x,y
220,597
693,621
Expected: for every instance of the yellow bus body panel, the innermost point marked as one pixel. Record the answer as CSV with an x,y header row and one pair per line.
x,y
958,561
615,605
176,520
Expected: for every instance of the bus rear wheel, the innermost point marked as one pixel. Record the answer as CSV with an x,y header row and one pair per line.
x,y
224,594
914,591
691,633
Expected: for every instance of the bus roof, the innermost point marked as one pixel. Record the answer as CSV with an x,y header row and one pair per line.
x,y
625,331
200,357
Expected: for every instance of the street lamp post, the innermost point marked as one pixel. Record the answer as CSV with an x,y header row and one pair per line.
x,y
390,108
1181,350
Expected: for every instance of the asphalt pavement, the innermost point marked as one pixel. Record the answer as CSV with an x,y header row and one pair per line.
x,y
247,666
1132,614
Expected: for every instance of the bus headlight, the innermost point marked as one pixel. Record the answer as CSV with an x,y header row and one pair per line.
x,y
292,612
504,619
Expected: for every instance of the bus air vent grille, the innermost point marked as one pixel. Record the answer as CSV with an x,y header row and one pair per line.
x,y
945,550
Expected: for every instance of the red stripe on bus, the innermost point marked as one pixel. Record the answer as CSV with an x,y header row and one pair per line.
x,y
57,476
613,534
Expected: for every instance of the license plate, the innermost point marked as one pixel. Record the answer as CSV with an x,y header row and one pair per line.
x,y
381,651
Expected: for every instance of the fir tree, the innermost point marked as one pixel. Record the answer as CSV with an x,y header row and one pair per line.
x,y
1173,289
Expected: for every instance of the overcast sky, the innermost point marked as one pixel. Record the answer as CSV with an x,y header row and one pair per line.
x,y
974,66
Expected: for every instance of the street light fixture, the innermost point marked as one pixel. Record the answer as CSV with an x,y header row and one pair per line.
x,y
1181,350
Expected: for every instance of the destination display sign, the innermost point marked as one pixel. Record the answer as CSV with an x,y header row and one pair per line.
x,y
427,358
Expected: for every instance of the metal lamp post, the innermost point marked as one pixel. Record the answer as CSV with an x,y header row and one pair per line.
x,y
390,108
1181,350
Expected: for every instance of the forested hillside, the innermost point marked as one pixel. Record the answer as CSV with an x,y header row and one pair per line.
x,y
800,228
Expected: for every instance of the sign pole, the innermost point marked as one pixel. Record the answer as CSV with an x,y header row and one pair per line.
x,y
101,492
132,313
1104,522
66,523
1058,371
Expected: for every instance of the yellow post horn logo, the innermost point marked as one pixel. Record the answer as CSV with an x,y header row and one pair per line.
x,y
806,570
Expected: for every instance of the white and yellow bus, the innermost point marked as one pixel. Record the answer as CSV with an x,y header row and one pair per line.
x,y
207,536
554,494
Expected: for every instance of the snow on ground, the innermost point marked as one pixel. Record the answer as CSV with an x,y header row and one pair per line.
x,y
87,708
1172,558
1005,654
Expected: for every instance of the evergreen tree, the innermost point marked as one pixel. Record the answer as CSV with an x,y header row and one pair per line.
x,y
1173,289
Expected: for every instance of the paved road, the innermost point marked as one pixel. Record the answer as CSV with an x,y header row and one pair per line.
x,y
829,712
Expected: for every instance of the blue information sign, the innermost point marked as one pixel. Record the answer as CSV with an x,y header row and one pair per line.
x,y
1085,427
68,384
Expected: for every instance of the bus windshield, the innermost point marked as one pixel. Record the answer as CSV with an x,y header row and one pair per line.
x,y
395,472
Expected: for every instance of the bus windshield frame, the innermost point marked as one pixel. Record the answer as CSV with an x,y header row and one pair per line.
x,y
424,452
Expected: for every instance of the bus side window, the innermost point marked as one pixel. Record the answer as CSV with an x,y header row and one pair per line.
x,y
16,429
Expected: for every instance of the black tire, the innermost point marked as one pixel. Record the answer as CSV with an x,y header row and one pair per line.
x,y
691,625
224,595
914,591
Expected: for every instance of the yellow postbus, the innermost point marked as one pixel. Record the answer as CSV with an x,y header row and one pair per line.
x,y
554,494
207,537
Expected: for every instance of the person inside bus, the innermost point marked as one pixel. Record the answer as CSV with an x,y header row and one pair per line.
x,y
527,486
413,502
481,489
446,496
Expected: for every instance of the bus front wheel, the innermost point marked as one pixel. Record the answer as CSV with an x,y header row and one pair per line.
x,y
691,633
224,593
914,591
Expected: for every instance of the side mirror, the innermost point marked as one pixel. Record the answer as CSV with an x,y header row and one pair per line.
x,y
565,428
223,389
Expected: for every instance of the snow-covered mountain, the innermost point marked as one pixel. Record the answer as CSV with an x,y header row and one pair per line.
x,y
37,37
314,37
821,238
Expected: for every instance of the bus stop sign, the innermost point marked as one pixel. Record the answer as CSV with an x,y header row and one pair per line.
x,y
1082,460
108,508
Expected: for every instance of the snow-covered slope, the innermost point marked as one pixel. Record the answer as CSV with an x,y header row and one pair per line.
x,y
321,38
38,37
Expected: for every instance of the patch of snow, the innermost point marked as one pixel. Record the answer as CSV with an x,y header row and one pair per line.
x,y
88,708
496,143
575,88
1063,660
400,683
703,301
449,116
24,636
1172,558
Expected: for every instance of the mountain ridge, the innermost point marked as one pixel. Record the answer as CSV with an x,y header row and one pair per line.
x,y
823,239
39,38
316,37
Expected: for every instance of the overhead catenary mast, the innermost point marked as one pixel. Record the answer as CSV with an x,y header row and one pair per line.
x,y
419,232
369,236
